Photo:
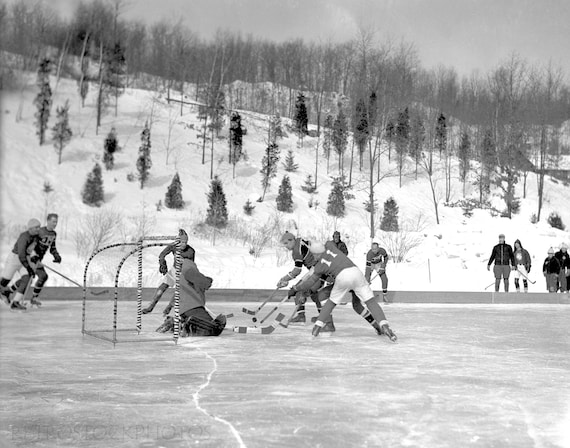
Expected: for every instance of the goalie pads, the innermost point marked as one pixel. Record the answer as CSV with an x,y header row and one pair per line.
x,y
196,326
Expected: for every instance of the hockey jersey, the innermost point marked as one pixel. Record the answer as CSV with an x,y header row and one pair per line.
x,y
332,262
46,241
25,245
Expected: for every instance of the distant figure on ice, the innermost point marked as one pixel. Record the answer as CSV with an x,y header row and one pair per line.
x,y
45,242
339,244
503,257
347,277
564,260
194,318
376,260
169,279
551,270
302,257
18,260
523,263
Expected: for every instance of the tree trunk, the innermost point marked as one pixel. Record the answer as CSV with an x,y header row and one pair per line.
x,y
100,93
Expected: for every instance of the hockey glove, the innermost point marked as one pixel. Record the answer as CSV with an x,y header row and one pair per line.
x,y
57,258
35,259
284,281
148,310
293,291
528,269
163,268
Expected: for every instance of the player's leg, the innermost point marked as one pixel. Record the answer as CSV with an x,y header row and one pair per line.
x,y
42,277
339,289
17,301
11,266
323,296
497,272
156,297
384,279
299,317
362,311
198,322
506,273
517,275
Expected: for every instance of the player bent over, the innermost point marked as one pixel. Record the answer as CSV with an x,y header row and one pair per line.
x,y
302,257
186,251
333,263
18,261
195,319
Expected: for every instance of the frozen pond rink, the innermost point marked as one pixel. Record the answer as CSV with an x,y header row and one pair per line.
x,y
459,376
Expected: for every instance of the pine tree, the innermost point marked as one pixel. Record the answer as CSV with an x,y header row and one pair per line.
x,y
173,198
275,130
309,185
144,162
111,146
340,136
269,166
92,193
248,208
235,138
360,128
464,155
285,196
389,221
441,134
300,119
217,213
289,164
61,132
336,203
43,99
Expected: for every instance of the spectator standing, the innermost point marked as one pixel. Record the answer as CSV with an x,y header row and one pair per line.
x,y
504,259
564,260
551,270
522,265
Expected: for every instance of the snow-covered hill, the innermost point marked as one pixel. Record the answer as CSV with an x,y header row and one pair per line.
x,y
448,256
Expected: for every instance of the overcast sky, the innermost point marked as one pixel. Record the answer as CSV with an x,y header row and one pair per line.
x,y
465,34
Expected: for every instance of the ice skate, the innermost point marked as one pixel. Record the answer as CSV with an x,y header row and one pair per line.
x,y
298,319
386,330
17,306
5,296
329,327
167,325
385,298
35,302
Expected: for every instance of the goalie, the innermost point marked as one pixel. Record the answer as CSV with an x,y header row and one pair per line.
x,y
194,318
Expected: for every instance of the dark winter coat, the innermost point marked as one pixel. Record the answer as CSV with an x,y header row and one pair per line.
x,y
502,255
551,266
24,245
563,258
522,256
341,246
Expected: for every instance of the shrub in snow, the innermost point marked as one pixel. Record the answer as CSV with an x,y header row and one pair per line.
x,y
173,198
555,221
92,193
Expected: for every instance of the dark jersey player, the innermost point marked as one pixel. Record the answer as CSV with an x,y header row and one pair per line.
x,y
347,277
45,243
376,260
169,276
303,257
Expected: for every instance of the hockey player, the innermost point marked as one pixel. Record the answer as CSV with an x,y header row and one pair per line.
x,y
302,257
347,277
195,319
169,279
564,260
551,270
339,244
46,242
523,264
504,259
376,260
18,260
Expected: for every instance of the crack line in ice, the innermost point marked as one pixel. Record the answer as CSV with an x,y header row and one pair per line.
x,y
196,398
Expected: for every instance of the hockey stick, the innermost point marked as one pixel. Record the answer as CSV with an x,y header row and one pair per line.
x,y
254,312
261,330
526,277
74,282
275,308
487,287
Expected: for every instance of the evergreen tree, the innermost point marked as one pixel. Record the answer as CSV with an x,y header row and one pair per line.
x,y
269,166
235,138
309,185
285,196
389,221
144,162
248,208
275,130
61,132
289,164
336,200
173,198
217,213
360,128
111,146
115,71
43,99
340,136
464,155
441,134
92,193
372,109
301,119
